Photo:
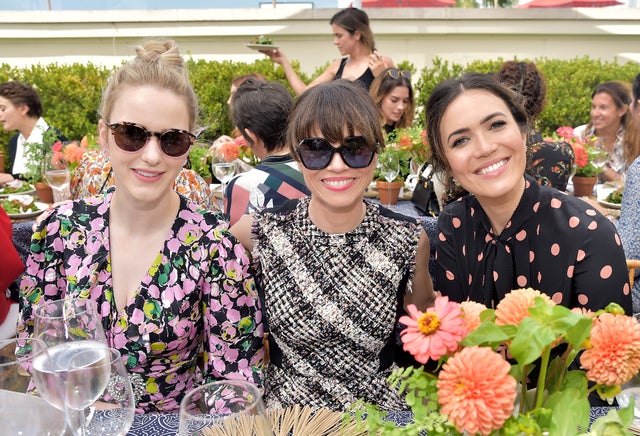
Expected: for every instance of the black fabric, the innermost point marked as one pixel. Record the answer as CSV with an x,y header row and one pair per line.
x,y
366,79
424,196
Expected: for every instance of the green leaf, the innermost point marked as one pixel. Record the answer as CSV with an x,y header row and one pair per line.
x,y
530,340
489,334
570,411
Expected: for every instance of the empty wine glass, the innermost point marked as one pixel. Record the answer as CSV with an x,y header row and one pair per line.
x,y
224,407
223,170
67,327
389,167
57,174
23,413
99,378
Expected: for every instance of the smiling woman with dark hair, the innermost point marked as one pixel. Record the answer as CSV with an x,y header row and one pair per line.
x,y
509,232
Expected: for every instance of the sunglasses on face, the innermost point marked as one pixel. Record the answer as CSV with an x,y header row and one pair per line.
x,y
316,153
397,73
131,137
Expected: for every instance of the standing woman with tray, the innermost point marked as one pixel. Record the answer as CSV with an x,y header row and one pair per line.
x,y
335,269
510,232
361,62
169,280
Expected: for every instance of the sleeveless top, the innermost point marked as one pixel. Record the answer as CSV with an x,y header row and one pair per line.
x,y
366,79
332,303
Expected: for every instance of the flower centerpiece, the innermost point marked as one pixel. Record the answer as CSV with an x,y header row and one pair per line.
x,y
585,151
485,362
238,149
410,145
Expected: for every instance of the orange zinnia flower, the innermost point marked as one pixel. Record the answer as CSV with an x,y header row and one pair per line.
x,y
475,390
471,314
514,307
434,333
615,354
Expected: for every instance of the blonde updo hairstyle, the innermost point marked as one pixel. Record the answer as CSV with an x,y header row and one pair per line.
x,y
157,63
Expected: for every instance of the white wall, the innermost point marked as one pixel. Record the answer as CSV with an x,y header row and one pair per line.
x,y
414,34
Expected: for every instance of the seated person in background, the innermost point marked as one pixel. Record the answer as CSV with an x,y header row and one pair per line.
x,y
510,232
235,83
613,125
260,111
11,267
335,269
551,162
392,94
169,279
21,110
94,176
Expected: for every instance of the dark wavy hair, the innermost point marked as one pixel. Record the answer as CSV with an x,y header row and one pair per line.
x,y
22,94
352,20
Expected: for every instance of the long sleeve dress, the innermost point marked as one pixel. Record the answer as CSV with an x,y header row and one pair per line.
x,y
198,295
554,242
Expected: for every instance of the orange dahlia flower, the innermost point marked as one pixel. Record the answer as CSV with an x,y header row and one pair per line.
x,y
471,314
475,390
434,333
614,357
514,307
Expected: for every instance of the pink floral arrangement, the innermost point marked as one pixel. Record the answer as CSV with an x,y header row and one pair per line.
x,y
70,153
484,356
583,149
237,149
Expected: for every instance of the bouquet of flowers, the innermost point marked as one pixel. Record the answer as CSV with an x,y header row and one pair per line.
x,y
584,150
486,357
71,153
237,149
412,148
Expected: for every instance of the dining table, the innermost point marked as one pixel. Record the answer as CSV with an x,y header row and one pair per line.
x,y
167,424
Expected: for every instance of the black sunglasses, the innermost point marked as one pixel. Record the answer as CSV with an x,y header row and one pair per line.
x,y
316,153
397,73
131,137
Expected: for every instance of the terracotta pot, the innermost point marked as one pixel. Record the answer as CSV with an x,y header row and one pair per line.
x,y
44,191
388,192
583,186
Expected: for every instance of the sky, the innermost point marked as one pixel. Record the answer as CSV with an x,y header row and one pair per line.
x,y
24,5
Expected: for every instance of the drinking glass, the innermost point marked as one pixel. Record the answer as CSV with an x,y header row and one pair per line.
x,y
224,407
389,167
58,176
22,413
223,170
67,327
99,378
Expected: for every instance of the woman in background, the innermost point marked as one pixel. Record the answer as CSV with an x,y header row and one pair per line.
x,y
551,162
361,61
612,123
510,232
392,94
335,270
169,280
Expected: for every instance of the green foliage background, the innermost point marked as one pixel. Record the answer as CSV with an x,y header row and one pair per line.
x,y
71,93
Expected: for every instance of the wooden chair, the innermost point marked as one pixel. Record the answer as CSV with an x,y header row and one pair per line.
x,y
632,264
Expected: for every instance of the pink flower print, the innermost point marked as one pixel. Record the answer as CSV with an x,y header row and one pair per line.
x,y
233,315
137,316
231,355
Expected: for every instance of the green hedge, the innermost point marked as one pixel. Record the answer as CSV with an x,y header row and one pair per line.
x,y
71,93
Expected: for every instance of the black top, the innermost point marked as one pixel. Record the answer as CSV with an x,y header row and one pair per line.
x,y
366,79
555,243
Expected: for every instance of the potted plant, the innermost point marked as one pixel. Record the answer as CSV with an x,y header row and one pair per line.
x,y
199,159
35,153
586,175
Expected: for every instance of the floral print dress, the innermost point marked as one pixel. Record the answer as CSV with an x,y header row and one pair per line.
x,y
198,296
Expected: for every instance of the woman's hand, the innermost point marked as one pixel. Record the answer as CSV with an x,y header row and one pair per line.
x,y
275,55
378,62
5,178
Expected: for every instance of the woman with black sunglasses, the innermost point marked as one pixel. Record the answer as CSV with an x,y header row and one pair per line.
x,y
360,60
335,269
392,94
169,279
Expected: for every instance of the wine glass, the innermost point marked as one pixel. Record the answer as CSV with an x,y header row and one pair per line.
x,y
223,170
57,174
98,378
234,406
67,327
20,412
389,167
